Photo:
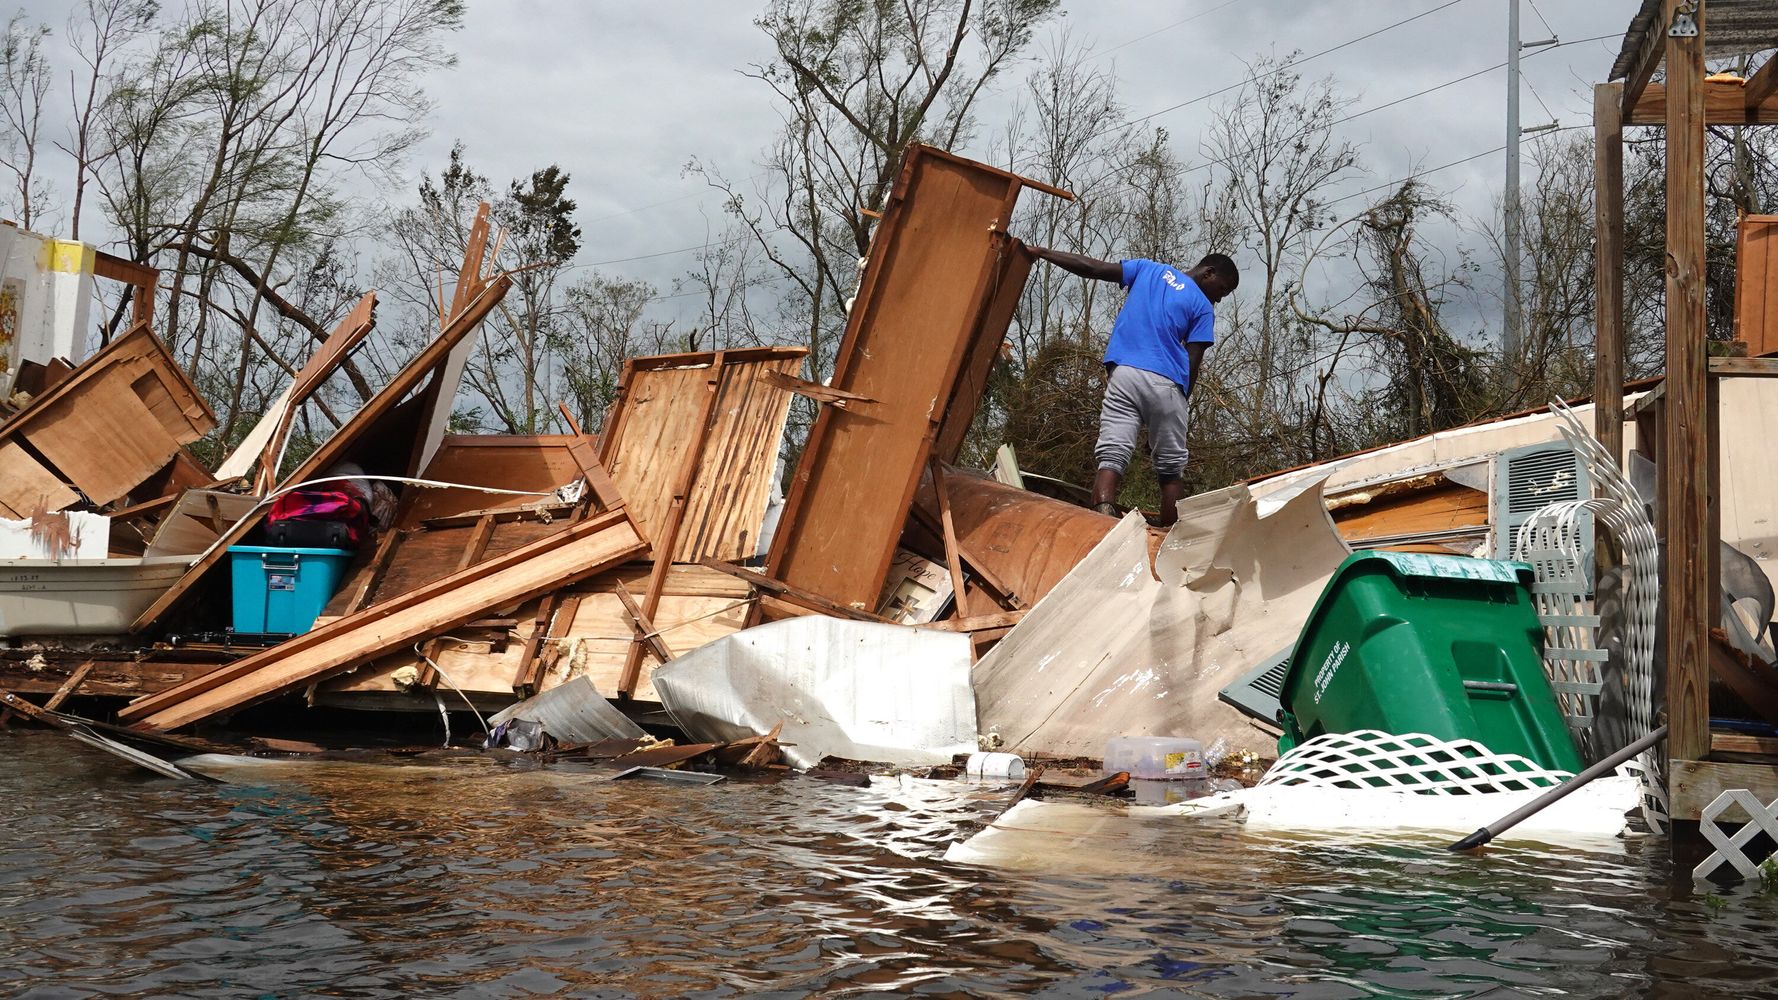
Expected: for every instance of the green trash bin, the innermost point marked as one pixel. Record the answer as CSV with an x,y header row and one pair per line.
x,y
1443,645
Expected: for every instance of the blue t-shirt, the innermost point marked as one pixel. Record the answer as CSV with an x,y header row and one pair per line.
x,y
1164,311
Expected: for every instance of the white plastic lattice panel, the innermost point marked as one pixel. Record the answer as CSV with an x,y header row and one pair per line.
x,y
1730,847
1412,762
1556,542
1626,519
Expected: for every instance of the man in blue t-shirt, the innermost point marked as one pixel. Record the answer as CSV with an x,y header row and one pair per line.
x,y
1157,346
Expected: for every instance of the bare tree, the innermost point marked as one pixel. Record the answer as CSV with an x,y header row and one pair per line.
x,y
97,29
24,83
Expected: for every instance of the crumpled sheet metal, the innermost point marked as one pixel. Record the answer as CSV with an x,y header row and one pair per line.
x,y
1114,651
858,690
573,712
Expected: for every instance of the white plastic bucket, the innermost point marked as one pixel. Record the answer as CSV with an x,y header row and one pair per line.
x,y
995,765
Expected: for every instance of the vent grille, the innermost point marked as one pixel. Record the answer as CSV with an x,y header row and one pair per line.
x,y
1538,479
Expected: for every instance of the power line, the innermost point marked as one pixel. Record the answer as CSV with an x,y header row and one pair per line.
x,y
1167,27
1295,62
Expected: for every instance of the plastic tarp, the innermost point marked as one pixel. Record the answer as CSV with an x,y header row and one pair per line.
x,y
857,690
1114,651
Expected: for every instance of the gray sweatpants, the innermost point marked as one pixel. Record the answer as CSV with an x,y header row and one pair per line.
x,y
1134,399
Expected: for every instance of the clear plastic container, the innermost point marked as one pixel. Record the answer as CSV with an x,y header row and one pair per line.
x,y
1155,758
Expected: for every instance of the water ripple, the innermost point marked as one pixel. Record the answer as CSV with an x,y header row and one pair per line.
x,y
465,877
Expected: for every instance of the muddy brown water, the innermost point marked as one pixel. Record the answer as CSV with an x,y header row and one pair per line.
x,y
468,877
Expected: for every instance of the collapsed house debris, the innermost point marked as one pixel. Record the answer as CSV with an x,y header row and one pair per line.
x,y
591,593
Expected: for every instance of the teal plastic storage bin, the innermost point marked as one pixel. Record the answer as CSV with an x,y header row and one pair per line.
x,y
283,590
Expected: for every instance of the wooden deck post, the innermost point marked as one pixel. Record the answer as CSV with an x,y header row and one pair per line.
x,y
1608,310
1690,604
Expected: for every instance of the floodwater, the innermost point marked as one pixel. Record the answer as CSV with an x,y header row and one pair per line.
x,y
469,877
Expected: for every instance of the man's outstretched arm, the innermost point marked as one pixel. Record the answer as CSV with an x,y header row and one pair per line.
x,y
1086,267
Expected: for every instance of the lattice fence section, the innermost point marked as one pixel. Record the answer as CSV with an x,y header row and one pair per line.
x,y
1730,849
1415,762
1626,519
1552,540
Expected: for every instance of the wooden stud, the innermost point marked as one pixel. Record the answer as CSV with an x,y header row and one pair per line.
x,y
68,687
948,530
1689,591
820,393
1608,310
978,623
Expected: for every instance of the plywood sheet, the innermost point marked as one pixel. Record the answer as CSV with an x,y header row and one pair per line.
x,y
1756,285
537,463
1436,508
929,280
25,485
102,438
659,421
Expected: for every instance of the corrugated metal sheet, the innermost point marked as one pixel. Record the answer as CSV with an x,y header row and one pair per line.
x,y
1731,28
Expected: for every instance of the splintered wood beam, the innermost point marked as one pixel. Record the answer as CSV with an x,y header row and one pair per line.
x,y
978,623
1762,85
787,594
641,624
1649,53
68,687
1725,103
579,551
1685,486
814,390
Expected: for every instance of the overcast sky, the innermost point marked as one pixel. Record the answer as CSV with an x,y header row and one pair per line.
x,y
622,94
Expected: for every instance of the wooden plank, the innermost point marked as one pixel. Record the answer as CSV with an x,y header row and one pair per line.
x,y
103,439
814,390
1608,300
978,623
643,626
986,341
474,547
948,534
1760,87
1650,50
1765,746
143,277
1693,784
138,352
26,486
583,550
1753,682
1756,289
69,686
340,445
1689,591
930,274
788,594
1725,103
329,356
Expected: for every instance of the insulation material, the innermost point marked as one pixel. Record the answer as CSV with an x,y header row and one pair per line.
x,y
58,535
1233,588
857,690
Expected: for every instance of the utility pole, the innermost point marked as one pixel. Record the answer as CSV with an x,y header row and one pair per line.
x,y
1514,207
1514,310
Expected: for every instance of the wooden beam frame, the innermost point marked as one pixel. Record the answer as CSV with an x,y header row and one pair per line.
x,y
1686,513
1725,103
1761,85
1649,56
